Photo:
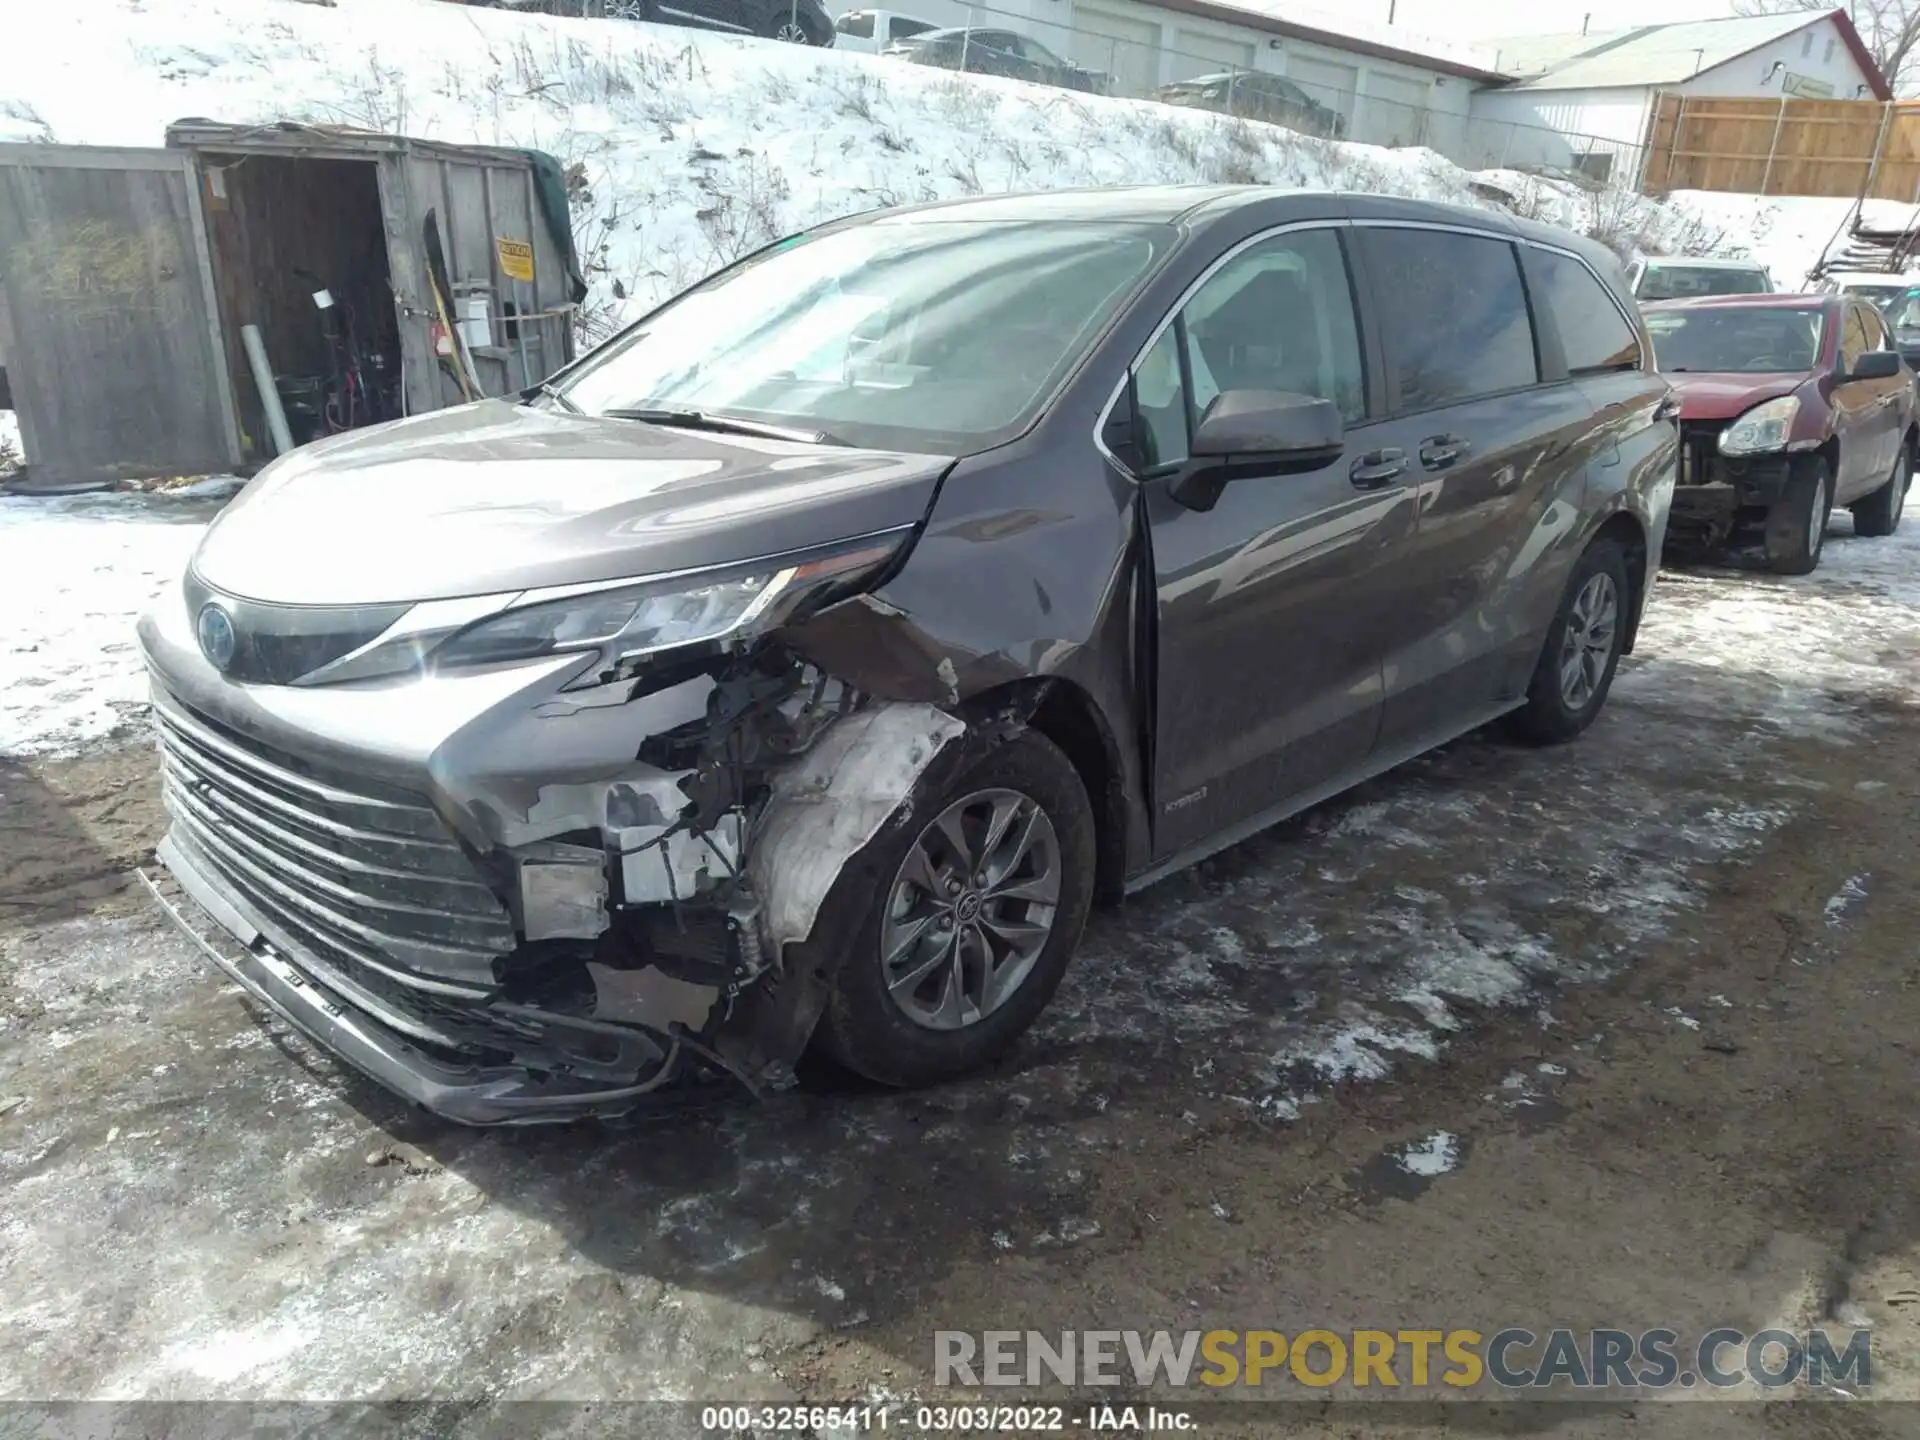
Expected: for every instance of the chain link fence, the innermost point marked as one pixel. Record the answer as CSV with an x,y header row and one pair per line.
x,y
1251,76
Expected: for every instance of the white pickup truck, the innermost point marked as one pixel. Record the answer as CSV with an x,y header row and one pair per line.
x,y
872,31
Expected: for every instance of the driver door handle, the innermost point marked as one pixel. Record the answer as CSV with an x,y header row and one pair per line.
x,y
1667,409
1378,468
1437,452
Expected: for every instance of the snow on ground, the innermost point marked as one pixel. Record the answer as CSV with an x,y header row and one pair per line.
x,y
1787,234
695,146
74,575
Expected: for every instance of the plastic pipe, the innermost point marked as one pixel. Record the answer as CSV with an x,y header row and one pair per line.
x,y
269,392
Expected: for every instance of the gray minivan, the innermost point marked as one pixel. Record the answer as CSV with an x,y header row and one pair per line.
x,y
799,666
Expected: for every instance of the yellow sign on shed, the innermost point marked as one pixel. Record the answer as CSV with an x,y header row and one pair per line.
x,y
516,258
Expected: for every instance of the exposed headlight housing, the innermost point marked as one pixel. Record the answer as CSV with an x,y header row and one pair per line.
x,y
626,624
1763,428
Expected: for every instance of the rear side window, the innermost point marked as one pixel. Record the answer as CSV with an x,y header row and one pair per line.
x,y
1455,312
1593,332
903,27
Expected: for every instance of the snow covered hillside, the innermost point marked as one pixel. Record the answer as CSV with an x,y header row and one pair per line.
x,y
693,147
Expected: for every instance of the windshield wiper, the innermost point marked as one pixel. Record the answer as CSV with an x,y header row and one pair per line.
x,y
558,396
723,424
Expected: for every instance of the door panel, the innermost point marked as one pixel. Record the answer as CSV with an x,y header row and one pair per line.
x,y
1492,447
1277,605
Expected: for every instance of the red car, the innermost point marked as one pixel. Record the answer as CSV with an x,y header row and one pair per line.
x,y
1789,406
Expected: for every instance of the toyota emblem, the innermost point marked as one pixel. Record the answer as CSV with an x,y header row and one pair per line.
x,y
217,640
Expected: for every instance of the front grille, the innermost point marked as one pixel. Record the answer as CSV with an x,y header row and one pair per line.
x,y
365,879
1699,452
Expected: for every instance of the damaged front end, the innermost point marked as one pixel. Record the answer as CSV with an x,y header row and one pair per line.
x,y
526,860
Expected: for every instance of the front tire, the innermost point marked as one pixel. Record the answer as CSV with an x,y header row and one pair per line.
x,y
1879,514
984,888
786,25
1797,522
1576,667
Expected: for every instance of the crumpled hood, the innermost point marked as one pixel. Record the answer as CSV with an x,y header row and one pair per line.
x,y
497,497
1713,396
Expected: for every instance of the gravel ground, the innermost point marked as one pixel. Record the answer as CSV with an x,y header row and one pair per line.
x,y
1611,1034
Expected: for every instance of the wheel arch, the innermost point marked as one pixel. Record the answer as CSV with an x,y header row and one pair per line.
x,y
1626,529
1067,715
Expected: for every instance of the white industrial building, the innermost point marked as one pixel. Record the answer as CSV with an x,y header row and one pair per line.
x,y
1393,90
1584,100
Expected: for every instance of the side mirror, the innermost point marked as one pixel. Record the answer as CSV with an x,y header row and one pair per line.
x,y
1877,365
1257,432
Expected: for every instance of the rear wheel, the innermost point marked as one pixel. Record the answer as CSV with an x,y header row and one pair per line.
x,y
1879,514
786,24
1797,522
1576,666
985,888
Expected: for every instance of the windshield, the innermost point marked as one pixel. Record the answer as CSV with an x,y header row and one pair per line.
x,y
1904,313
938,336
1679,282
1882,297
1736,341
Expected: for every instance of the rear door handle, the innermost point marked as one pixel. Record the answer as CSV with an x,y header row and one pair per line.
x,y
1378,468
1667,409
1437,452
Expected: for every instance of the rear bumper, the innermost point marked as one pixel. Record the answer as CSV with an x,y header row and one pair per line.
x,y
273,973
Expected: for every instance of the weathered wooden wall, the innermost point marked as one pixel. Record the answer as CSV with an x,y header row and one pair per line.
x,y
1784,147
104,315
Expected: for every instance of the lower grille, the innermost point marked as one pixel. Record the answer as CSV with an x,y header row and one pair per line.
x,y
366,880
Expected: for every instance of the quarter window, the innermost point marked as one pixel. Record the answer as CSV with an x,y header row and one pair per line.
x,y
1459,326
1593,332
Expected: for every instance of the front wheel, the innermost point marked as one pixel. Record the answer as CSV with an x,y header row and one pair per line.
x,y
1576,666
1879,514
1797,521
985,888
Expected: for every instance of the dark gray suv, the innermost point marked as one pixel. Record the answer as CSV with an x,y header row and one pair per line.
x,y
801,665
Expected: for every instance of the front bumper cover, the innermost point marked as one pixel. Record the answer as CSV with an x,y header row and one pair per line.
x,y
472,1094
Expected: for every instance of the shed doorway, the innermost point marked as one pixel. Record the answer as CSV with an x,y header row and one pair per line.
x,y
300,250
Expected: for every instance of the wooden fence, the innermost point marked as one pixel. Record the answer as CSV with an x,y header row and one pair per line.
x,y
1784,147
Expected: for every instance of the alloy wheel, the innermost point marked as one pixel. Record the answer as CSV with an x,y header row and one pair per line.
x,y
970,909
626,9
792,33
1587,645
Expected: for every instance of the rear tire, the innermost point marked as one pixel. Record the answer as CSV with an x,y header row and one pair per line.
x,y
877,1026
1879,514
1582,651
1797,522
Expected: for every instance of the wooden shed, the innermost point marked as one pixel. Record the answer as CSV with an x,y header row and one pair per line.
x,y
129,277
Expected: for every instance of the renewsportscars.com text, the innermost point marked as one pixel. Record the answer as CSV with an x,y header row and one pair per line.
x,y
1512,1359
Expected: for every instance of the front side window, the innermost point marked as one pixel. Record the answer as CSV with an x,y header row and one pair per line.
x,y
1457,316
939,336
1737,340
1278,316
1593,332
1853,341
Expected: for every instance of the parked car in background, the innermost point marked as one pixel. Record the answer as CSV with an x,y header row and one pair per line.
x,y
1903,319
1790,405
1678,279
998,52
800,665
1256,96
802,22
1876,287
872,31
